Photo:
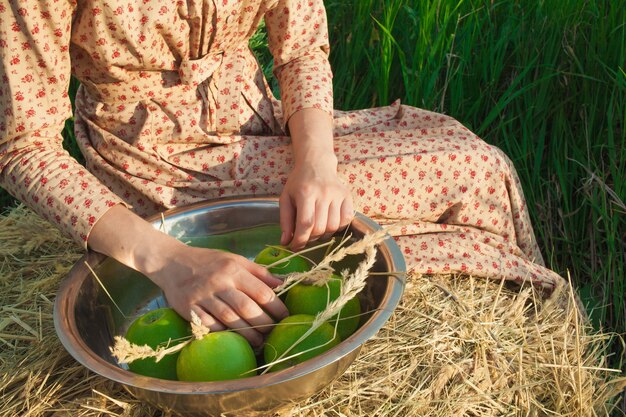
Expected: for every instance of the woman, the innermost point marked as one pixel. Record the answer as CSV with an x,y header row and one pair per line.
x,y
173,108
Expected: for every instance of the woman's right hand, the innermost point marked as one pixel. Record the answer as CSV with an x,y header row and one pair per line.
x,y
223,289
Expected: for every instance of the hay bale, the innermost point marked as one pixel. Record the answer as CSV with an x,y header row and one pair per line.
x,y
456,346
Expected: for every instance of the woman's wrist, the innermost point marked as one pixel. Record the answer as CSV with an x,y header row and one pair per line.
x,y
317,160
312,138
132,241
154,253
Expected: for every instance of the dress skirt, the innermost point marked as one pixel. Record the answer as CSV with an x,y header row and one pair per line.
x,y
461,195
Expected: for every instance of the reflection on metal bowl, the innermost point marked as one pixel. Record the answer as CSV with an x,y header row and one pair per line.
x,y
86,319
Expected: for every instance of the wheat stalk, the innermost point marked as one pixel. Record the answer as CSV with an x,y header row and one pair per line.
x,y
125,352
198,329
321,273
351,285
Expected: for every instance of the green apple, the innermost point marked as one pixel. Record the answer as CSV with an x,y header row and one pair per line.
x,y
283,337
272,254
154,328
218,356
312,299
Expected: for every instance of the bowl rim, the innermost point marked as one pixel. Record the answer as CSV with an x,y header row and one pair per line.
x,y
67,331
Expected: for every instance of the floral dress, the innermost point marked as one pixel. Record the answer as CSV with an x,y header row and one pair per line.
x,y
173,109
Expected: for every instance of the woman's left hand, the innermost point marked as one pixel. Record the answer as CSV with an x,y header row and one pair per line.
x,y
314,202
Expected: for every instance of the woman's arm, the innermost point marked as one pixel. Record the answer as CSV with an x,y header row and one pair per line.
x,y
34,104
314,201
221,288
34,167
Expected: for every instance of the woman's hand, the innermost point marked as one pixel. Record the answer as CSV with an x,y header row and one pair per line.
x,y
314,202
223,289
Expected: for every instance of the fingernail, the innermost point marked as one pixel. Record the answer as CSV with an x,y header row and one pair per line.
x,y
283,238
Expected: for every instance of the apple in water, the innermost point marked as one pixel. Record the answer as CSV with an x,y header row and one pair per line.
x,y
272,254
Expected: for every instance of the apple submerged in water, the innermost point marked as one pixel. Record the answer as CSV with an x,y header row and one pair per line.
x,y
272,254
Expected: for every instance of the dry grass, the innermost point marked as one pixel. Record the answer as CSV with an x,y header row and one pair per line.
x,y
456,346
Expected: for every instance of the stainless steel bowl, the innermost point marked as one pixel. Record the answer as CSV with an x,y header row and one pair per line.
x,y
86,319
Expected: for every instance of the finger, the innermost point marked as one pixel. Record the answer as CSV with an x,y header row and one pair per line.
x,y
347,213
334,217
207,320
261,272
248,310
222,311
321,220
287,215
264,297
305,220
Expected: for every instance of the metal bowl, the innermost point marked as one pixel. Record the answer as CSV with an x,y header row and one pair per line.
x,y
86,320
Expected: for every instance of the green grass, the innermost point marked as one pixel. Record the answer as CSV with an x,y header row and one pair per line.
x,y
543,80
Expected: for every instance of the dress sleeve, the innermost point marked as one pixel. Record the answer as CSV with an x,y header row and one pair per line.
x,y
34,76
298,41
